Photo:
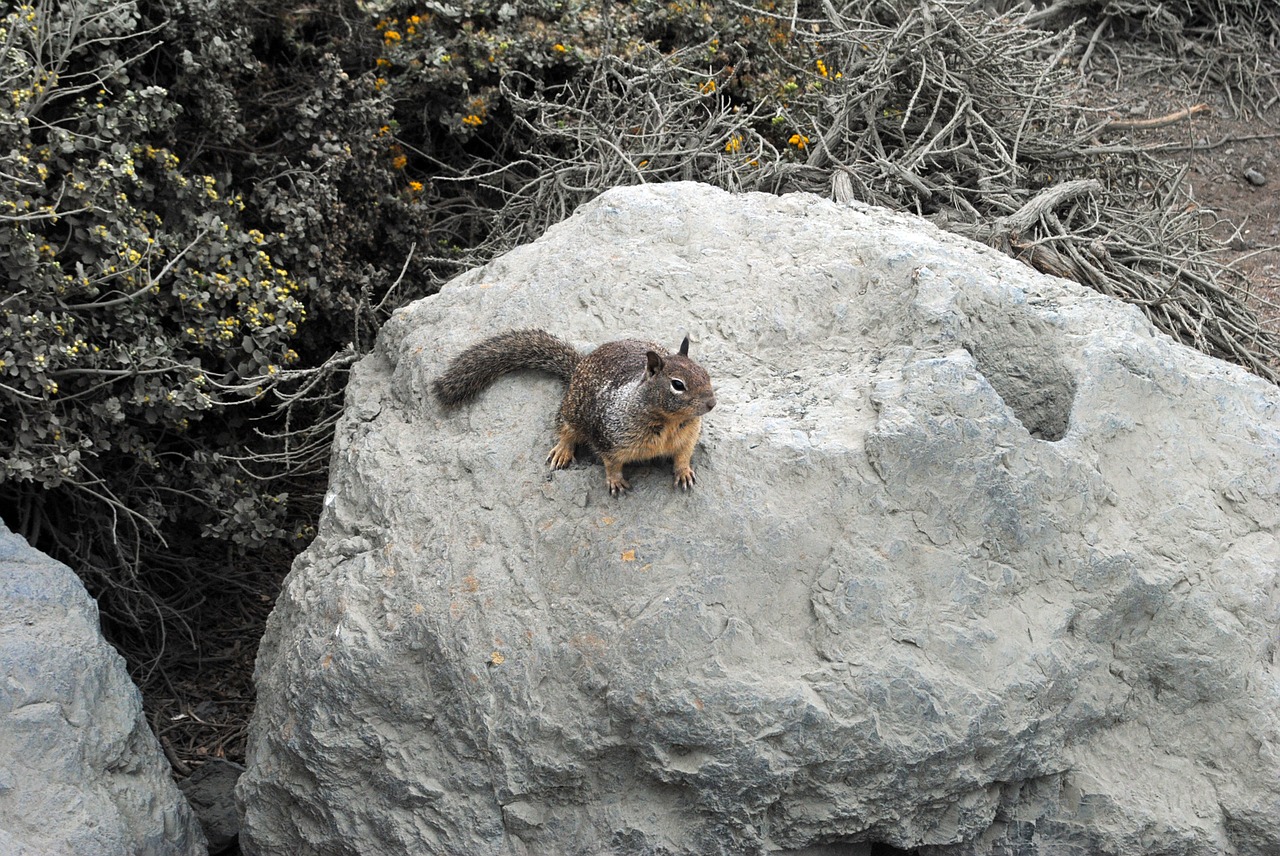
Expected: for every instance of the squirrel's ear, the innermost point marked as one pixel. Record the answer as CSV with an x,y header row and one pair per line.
x,y
655,363
684,347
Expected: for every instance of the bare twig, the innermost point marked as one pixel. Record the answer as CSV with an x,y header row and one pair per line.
x,y
1155,122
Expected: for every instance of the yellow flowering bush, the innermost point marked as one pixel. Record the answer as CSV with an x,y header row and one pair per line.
x,y
138,305
461,80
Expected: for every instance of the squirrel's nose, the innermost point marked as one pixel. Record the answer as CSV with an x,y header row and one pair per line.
x,y
711,403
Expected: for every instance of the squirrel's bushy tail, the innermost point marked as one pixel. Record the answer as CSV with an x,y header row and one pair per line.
x,y
486,361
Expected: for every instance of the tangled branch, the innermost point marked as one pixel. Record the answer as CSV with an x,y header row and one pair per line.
x,y
950,112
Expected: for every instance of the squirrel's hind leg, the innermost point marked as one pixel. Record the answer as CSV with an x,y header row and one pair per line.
x,y
561,454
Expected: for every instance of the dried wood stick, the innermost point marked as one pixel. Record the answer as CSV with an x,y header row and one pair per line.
x,y
1047,200
1156,122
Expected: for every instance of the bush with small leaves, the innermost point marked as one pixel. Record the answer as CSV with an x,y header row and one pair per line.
x,y
511,116
143,319
276,104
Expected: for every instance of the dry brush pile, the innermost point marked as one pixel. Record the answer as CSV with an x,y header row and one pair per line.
x,y
944,108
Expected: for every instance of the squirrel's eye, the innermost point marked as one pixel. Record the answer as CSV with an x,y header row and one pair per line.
x,y
677,385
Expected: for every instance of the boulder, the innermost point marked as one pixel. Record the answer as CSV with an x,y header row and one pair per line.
x,y
81,773
977,562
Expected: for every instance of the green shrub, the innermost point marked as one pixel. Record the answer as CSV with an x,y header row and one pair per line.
x,y
278,101
514,115
138,302
198,207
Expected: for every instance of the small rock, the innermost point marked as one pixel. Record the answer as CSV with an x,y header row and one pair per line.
x,y
1254,177
211,792
81,773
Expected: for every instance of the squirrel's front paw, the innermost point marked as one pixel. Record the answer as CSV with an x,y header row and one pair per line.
x,y
560,456
685,478
617,484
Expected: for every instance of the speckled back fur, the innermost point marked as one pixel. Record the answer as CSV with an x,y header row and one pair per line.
x,y
484,362
630,400
614,403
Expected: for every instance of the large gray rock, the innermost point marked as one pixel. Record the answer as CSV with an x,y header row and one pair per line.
x,y
81,774
976,562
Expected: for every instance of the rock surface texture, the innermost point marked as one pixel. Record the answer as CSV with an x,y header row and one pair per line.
x,y
210,790
81,774
977,562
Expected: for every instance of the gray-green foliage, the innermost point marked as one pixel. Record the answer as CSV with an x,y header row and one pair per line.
x,y
952,109
197,208
139,305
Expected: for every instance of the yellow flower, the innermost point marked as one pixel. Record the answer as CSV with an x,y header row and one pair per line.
x,y
390,36
734,144
559,48
708,87
472,120
799,140
415,186
822,68
399,161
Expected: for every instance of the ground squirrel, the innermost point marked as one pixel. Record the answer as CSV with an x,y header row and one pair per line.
x,y
630,400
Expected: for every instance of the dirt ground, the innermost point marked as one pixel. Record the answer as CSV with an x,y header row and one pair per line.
x,y
205,715
1226,149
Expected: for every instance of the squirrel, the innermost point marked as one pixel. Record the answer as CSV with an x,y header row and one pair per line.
x,y
630,400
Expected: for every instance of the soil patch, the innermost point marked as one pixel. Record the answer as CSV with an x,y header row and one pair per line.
x,y
1229,153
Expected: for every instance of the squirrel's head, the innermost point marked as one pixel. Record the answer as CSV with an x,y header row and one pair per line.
x,y
680,384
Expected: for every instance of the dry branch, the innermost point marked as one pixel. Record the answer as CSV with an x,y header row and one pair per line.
x,y
941,109
1156,122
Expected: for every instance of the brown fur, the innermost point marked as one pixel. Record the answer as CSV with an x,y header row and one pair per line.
x,y
624,398
484,362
